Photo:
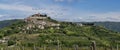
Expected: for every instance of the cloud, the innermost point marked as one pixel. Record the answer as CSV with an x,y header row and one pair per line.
x,y
58,12
16,7
55,11
92,17
59,0
65,0
109,16
3,15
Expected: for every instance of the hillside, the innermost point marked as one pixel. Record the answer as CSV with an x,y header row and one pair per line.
x,y
28,34
7,23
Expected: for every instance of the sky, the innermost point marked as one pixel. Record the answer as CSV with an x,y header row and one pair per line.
x,y
62,10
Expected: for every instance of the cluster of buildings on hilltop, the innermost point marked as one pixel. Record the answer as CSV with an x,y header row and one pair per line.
x,y
40,21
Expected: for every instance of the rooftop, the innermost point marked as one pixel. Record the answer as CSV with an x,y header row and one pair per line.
x,y
39,15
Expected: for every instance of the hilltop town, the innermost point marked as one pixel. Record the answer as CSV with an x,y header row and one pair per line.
x,y
40,21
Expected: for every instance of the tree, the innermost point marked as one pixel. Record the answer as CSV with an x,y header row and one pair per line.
x,y
11,42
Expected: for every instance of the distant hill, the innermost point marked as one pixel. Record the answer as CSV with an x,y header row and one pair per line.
x,y
7,23
115,26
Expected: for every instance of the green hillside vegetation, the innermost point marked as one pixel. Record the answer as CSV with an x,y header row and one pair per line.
x,y
68,35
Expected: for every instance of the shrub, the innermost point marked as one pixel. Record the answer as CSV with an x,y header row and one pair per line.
x,y
11,42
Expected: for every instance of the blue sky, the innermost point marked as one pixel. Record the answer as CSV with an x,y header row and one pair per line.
x,y
64,10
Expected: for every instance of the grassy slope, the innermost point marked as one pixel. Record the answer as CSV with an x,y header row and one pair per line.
x,y
68,35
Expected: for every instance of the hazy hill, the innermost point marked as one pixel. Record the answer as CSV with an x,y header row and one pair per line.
x,y
115,26
7,23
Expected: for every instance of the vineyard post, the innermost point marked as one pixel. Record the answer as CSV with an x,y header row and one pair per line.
x,y
23,48
44,47
34,47
91,48
117,47
76,47
58,44
94,45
